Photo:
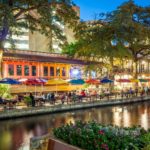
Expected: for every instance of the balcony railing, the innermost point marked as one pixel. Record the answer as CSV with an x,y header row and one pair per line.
x,y
128,70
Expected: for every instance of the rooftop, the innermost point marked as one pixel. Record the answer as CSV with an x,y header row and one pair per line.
x,y
40,57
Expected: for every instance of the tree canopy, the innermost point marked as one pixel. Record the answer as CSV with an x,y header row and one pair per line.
x,y
35,15
123,33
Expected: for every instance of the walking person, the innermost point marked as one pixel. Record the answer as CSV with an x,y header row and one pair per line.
x,y
63,98
136,91
122,93
69,97
32,100
49,97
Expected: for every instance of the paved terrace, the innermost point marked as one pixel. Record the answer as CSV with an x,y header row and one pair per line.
x,y
47,107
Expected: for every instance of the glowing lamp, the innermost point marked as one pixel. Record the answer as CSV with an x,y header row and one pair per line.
x,y
75,72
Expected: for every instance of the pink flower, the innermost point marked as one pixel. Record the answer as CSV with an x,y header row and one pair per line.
x,y
104,146
101,132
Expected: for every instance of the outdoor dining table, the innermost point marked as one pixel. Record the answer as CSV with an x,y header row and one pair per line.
x,y
9,103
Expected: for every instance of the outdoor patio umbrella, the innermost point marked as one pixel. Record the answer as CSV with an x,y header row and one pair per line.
x,y
77,81
40,81
123,80
32,81
143,80
9,81
56,82
134,80
43,81
23,80
106,80
92,81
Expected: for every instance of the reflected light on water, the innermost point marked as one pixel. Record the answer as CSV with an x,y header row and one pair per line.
x,y
116,116
70,120
126,118
16,134
144,118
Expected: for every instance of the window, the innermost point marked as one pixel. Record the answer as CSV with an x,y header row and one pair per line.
x,y
26,70
11,70
19,70
45,71
33,70
142,67
63,71
58,71
51,71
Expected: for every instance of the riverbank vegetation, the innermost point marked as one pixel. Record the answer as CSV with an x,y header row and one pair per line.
x,y
94,136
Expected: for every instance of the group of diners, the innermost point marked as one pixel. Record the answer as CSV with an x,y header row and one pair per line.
x,y
8,102
39,99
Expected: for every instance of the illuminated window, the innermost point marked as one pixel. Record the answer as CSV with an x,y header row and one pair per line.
x,y
45,71
58,71
51,71
33,70
26,70
19,70
11,70
63,71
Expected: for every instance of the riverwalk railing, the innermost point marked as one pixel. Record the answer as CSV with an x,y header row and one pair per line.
x,y
69,105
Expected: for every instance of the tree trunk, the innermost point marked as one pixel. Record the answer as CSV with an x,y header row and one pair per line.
x,y
135,68
111,73
135,72
1,60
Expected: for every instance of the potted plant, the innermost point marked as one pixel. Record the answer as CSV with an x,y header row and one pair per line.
x,y
27,100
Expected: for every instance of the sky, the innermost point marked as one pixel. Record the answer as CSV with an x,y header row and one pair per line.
x,y
88,8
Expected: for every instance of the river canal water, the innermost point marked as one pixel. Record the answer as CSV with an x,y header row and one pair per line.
x,y
15,134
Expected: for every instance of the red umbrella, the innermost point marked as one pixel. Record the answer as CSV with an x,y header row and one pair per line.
x,y
123,80
31,81
40,81
93,81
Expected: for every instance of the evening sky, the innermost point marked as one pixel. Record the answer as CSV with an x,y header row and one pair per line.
x,y
88,8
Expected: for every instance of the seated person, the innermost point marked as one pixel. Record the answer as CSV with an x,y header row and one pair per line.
x,y
83,93
1,100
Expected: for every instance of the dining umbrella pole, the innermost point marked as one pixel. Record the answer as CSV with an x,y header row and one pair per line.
x,y
25,88
35,89
42,88
56,89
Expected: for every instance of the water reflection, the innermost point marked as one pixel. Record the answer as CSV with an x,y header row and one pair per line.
x,y
15,134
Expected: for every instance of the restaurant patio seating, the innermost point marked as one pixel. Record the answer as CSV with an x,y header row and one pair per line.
x,y
9,104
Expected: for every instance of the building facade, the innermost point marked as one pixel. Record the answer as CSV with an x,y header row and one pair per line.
x,y
28,64
35,41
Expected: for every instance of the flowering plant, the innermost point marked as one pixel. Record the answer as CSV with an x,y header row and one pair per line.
x,y
94,136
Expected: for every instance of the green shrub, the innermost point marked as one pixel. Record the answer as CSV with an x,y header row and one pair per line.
x,y
27,100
